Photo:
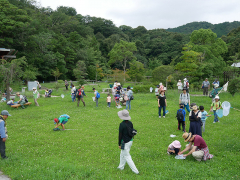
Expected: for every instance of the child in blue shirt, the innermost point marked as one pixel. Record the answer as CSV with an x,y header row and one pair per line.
x,y
204,117
181,113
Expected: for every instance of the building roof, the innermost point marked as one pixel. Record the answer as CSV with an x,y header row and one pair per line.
x,y
7,53
236,64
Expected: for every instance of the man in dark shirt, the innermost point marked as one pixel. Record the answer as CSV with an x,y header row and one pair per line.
x,y
125,141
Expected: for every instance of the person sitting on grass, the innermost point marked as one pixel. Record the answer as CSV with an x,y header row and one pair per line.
x,y
63,119
174,148
21,100
11,102
199,150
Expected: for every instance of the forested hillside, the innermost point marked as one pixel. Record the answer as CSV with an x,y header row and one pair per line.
x,y
220,29
61,44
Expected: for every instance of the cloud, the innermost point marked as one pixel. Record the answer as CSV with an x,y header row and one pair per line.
x,y
154,14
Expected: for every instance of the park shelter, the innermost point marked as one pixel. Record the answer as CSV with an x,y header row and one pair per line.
x,y
236,64
7,53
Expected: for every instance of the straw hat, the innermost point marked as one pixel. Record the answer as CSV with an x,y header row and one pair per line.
x,y
124,115
186,136
17,93
176,144
195,107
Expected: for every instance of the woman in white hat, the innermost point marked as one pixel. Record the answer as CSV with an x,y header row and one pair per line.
x,y
125,141
195,121
199,150
35,96
179,85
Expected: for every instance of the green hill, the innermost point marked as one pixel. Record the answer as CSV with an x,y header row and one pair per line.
x,y
220,29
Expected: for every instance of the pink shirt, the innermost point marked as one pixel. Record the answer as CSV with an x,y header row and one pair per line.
x,y
199,142
108,99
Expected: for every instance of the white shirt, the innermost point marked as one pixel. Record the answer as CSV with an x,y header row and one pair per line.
x,y
73,89
179,84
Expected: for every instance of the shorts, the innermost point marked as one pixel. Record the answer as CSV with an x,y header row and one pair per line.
x,y
64,122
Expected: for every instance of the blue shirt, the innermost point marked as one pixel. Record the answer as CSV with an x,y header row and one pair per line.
x,y
184,113
2,130
204,116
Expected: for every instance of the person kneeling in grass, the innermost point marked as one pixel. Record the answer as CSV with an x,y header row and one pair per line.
x,y
63,119
199,150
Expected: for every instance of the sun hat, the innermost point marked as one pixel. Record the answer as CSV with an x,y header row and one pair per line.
x,y
216,85
5,113
176,144
124,115
185,79
186,136
179,80
17,93
34,88
118,84
56,120
206,78
217,97
160,84
195,107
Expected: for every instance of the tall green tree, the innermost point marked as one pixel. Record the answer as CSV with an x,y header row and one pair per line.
x,y
136,71
122,52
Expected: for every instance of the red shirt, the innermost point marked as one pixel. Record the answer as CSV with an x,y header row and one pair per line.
x,y
199,142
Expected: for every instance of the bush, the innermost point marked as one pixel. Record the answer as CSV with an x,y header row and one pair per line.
x,y
234,86
142,88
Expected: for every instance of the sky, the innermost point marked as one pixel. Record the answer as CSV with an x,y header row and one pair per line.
x,y
154,14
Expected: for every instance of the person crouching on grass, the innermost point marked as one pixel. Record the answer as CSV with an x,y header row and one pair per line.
x,y
60,122
174,148
199,150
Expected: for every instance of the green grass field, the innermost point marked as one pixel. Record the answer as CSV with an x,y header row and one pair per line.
x,y
90,149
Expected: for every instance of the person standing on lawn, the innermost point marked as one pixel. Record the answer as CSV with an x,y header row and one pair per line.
x,y
179,85
35,96
197,147
215,106
181,113
96,98
129,95
195,121
66,84
3,132
21,100
204,117
125,141
185,99
162,104
109,100
73,93
80,97
206,87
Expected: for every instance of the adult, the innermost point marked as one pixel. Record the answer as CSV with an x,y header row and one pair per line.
x,y
66,84
81,96
186,84
73,93
129,96
205,86
185,99
216,82
179,85
21,100
199,150
3,132
195,121
119,88
162,103
35,96
125,141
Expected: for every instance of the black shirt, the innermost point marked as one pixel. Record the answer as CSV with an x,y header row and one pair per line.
x,y
162,100
123,132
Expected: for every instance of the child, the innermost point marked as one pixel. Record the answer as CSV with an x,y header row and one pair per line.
x,y
181,113
11,102
204,117
162,103
174,148
215,106
108,100
117,96
96,99
46,93
63,119
35,96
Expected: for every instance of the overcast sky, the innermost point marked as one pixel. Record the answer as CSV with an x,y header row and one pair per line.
x,y
154,14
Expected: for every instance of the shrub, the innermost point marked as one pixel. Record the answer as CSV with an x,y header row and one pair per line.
x,y
234,86
142,88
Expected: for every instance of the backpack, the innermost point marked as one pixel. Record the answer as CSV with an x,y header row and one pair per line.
x,y
79,93
131,97
66,116
131,131
98,95
180,116
25,98
182,93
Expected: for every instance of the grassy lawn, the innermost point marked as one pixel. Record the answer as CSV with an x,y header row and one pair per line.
x,y
90,150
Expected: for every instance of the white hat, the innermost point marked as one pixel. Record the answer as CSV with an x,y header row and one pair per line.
x,y
217,97
160,84
118,84
185,79
179,80
164,88
34,88
124,115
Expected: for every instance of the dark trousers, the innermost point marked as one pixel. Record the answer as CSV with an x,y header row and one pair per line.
x,y
183,125
205,91
66,87
2,148
159,110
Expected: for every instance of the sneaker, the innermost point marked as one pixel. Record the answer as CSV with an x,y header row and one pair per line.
x,y
159,116
214,122
163,116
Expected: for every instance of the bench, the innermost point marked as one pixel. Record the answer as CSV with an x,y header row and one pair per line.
x,y
18,105
106,89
